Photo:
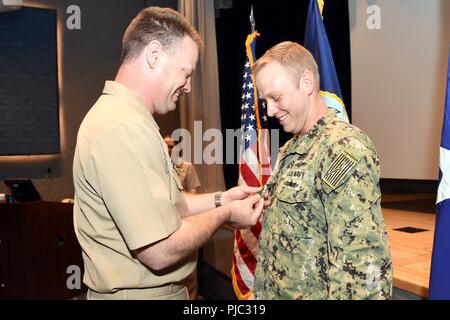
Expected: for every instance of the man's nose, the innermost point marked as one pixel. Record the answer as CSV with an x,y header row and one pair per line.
x,y
187,86
271,108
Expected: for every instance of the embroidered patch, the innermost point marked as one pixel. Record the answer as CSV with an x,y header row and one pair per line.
x,y
339,168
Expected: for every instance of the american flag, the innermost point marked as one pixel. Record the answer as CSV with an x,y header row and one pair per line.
x,y
254,170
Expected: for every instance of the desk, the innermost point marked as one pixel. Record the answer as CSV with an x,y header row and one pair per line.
x,y
37,246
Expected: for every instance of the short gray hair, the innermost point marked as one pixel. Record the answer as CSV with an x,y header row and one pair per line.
x,y
154,23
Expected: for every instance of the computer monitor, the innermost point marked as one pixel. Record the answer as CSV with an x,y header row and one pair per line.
x,y
23,190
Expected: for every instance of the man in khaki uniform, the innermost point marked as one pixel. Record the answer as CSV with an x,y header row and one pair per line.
x,y
135,227
323,234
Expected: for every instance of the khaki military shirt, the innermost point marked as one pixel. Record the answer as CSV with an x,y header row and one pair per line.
x,y
323,234
187,175
126,194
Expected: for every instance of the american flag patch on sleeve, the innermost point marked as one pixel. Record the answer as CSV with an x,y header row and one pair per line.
x,y
339,168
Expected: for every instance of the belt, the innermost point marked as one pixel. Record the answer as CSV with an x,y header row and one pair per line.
x,y
175,291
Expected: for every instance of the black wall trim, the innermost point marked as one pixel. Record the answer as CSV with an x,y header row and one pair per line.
x,y
408,186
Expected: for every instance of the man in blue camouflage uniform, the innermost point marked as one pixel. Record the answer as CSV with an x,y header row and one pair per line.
x,y
323,235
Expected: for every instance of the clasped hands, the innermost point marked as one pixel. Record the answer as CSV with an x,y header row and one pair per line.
x,y
245,204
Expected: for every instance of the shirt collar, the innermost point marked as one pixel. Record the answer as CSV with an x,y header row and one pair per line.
x,y
123,93
301,144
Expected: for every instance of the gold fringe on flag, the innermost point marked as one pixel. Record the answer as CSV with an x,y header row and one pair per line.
x,y
321,3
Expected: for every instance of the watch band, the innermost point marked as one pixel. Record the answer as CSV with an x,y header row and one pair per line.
x,y
218,199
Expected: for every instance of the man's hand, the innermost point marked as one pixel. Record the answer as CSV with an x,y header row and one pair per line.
x,y
238,193
245,213
264,193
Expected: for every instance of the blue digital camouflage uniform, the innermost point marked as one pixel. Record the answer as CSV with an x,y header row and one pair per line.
x,y
323,235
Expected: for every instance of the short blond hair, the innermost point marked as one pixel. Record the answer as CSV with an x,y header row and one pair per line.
x,y
154,23
293,57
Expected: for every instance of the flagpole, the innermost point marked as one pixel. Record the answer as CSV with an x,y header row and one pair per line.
x,y
256,105
252,20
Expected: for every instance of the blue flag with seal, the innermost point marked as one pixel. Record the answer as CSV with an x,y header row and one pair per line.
x,y
440,262
316,41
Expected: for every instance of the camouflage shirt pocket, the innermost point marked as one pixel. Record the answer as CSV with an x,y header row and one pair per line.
x,y
295,186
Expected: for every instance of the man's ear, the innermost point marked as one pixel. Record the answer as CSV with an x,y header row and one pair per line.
x,y
308,82
153,53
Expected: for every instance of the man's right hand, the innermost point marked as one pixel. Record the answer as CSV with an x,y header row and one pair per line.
x,y
245,213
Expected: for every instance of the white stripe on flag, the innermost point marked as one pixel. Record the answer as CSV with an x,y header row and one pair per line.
x,y
251,160
444,185
250,241
245,273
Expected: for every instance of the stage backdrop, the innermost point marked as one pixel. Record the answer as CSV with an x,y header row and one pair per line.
x,y
398,81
